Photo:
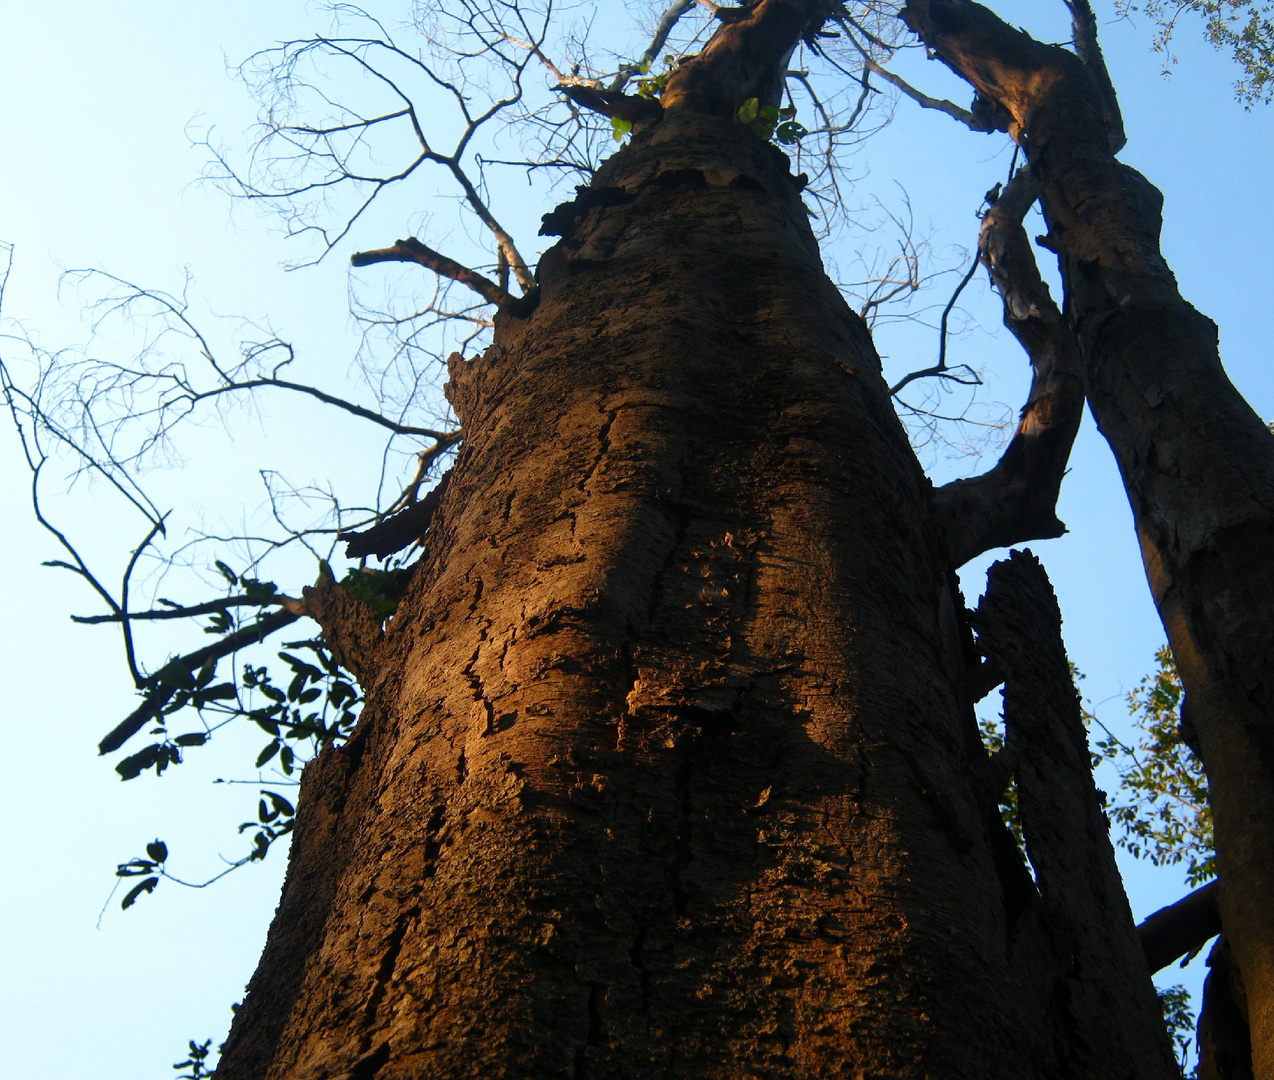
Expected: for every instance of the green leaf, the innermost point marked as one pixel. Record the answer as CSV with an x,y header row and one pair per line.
x,y
227,573
748,110
269,752
789,132
221,692
620,128
158,756
175,674
280,803
142,886
158,851
193,738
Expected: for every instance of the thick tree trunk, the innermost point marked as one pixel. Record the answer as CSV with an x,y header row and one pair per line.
x,y
667,766
1197,463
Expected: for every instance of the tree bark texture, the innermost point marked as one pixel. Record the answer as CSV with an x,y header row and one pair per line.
x,y
667,767
1196,461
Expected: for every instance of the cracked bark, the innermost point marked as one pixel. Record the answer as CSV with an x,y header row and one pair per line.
x,y
1196,461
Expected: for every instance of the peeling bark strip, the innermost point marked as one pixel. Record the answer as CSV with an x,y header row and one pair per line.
x,y
1098,982
1197,462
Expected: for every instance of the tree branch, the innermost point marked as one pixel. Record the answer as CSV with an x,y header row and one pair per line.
x,y
1084,25
922,99
158,694
412,250
1180,928
663,28
179,611
613,103
398,530
1016,500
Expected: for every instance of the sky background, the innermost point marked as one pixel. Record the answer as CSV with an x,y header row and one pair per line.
x,y
100,102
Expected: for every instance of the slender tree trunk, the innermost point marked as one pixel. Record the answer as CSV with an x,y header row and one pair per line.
x,y
668,767
1197,463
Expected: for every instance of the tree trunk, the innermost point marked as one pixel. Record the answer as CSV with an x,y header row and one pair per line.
x,y
668,767
1197,463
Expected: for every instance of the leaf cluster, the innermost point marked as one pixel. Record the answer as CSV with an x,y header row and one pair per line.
x,y
197,1062
770,122
1162,809
315,703
1244,28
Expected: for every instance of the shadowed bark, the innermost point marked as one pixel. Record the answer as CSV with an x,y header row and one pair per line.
x,y
1096,980
1180,928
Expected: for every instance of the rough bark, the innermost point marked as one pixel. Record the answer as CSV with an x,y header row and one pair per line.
x,y
1197,463
1099,968
667,766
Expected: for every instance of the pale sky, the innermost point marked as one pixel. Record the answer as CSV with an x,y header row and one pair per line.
x,y
98,100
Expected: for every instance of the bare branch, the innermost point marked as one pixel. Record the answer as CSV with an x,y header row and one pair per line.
x,y
962,374
924,100
448,437
663,28
412,250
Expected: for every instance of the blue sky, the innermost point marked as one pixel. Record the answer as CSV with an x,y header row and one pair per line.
x,y
98,104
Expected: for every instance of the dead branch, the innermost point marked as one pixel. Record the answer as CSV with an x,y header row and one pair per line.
x,y
412,250
397,531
